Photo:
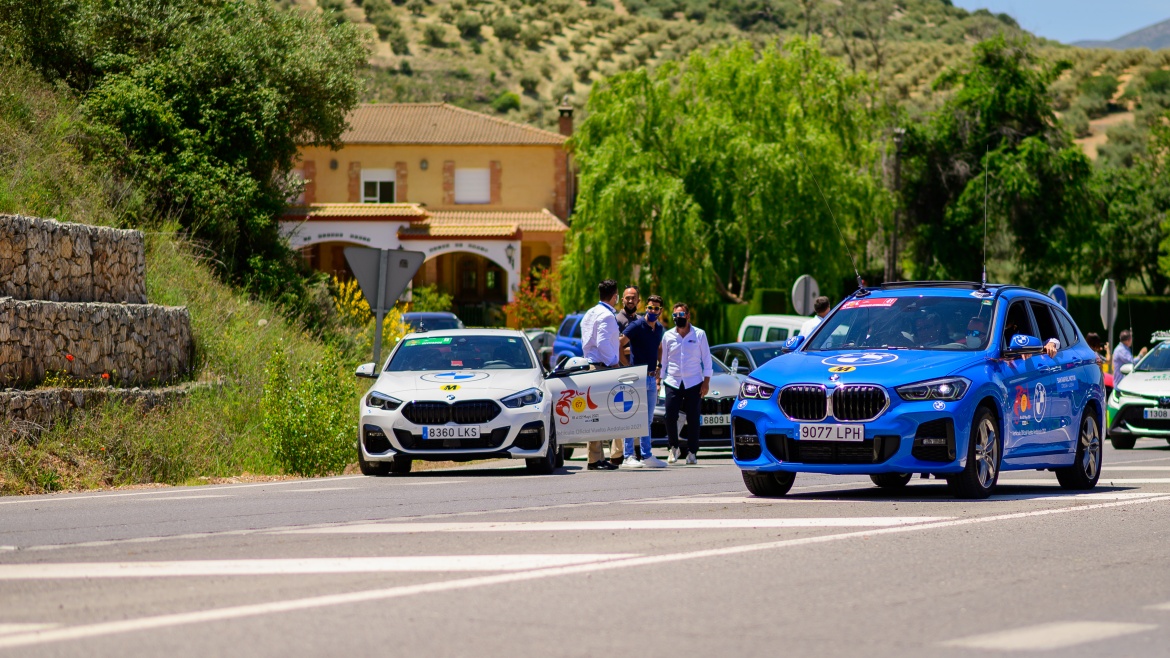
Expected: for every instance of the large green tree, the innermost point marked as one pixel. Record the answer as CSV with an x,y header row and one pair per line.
x,y
705,181
997,122
204,103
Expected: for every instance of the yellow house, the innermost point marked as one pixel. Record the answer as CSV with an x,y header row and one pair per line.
x,y
486,199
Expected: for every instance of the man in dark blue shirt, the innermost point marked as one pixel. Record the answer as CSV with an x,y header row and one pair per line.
x,y
642,336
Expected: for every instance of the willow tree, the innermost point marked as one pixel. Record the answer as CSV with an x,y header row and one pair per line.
x,y
701,181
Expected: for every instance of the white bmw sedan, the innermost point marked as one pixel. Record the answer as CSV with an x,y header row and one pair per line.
x,y
467,394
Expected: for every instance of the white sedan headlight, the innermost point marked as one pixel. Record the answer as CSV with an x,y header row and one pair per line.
x,y
382,401
523,398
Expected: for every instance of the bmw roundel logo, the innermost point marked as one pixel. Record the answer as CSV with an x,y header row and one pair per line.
x,y
742,404
623,401
939,405
1021,340
791,342
861,359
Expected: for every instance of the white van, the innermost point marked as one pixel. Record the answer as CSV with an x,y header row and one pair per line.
x,y
770,328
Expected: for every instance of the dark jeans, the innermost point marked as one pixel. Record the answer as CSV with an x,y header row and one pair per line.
x,y
688,401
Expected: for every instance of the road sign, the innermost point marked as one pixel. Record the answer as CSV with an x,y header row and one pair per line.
x,y
804,292
383,275
1109,307
1058,293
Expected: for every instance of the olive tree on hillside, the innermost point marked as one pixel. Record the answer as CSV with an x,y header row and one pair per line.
x,y
702,181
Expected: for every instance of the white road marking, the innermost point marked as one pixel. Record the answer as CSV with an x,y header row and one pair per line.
x,y
1105,480
189,497
321,489
1108,469
1139,461
1046,637
634,524
1164,607
64,498
282,567
791,500
433,482
11,629
238,612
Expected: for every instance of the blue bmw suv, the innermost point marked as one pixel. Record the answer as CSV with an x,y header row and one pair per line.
x,y
948,379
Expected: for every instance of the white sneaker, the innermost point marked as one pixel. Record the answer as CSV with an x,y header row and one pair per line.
x,y
653,462
630,462
673,456
691,459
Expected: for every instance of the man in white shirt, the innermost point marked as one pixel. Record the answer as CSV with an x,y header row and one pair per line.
x,y
601,344
821,308
686,367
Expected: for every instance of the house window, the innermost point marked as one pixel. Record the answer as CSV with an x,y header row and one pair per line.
x,y
473,186
378,186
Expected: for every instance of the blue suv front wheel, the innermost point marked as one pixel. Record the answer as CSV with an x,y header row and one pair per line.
x,y
984,450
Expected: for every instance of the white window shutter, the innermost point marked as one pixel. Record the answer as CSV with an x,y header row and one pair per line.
x,y
473,186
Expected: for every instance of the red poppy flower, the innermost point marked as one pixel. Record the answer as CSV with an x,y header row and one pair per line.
x,y
105,375
69,357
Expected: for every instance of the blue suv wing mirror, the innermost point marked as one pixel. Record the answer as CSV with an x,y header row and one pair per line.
x,y
1023,344
792,344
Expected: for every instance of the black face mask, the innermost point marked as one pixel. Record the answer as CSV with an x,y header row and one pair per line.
x,y
631,310
680,322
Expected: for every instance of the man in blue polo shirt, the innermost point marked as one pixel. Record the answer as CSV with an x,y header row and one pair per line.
x,y
643,336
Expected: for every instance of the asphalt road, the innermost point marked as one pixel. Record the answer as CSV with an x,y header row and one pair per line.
x,y
492,562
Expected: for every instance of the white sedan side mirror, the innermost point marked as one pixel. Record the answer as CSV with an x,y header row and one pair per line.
x,y
1127,368
367,370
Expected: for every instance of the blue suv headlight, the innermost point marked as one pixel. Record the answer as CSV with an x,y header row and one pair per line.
x,y
523,398
949,388
382,401
754,389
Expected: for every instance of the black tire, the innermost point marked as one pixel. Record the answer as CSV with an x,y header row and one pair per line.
x,y
769,485
401,465
984,453
891,480
376,469
1086,468
1123,442
548,463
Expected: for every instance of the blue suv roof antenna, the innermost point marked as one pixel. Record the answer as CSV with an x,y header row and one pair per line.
x,y
861,290
983,283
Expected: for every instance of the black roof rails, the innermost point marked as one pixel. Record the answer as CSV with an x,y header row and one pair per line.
x,y
934,284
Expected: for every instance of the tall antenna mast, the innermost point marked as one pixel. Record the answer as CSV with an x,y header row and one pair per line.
x,y
861,291
986,173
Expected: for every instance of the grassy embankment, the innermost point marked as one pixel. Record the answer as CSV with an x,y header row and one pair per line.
x,y
219,430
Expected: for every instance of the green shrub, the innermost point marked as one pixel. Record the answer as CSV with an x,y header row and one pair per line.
x,y
563,52
417,7
1077,122
529,81
435,35
309,417
531,36
425,299
605,51
468,25
506,27
506,102
399,43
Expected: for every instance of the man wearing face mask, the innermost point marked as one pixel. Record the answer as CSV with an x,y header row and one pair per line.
x,y
628,313
686,367
643,336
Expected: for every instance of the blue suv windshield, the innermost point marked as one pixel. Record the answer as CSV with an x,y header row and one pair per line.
x,y
914,323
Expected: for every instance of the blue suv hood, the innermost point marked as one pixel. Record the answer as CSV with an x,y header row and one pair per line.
x,y
885,367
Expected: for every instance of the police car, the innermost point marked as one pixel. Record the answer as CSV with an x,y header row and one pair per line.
x,y
467,394
1140,405
948,379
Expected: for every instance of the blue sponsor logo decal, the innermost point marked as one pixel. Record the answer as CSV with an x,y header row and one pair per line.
x,y
861,359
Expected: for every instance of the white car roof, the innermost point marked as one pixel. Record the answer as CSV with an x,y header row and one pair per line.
x,y
510,333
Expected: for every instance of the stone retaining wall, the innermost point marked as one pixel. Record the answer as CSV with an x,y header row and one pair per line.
x,y
135,344
26,413
46,259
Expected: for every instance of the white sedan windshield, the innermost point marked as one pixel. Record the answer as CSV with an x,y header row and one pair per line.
x,y
463,352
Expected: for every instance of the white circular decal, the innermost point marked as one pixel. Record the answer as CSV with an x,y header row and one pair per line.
x,y
861,359
939,405
453,377
623,401
1039,401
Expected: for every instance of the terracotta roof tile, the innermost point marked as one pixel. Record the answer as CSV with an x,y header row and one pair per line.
x,y
539,220
438,123
429,230
358,211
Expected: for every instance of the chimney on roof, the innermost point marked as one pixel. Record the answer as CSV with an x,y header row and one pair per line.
x,y
566,119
